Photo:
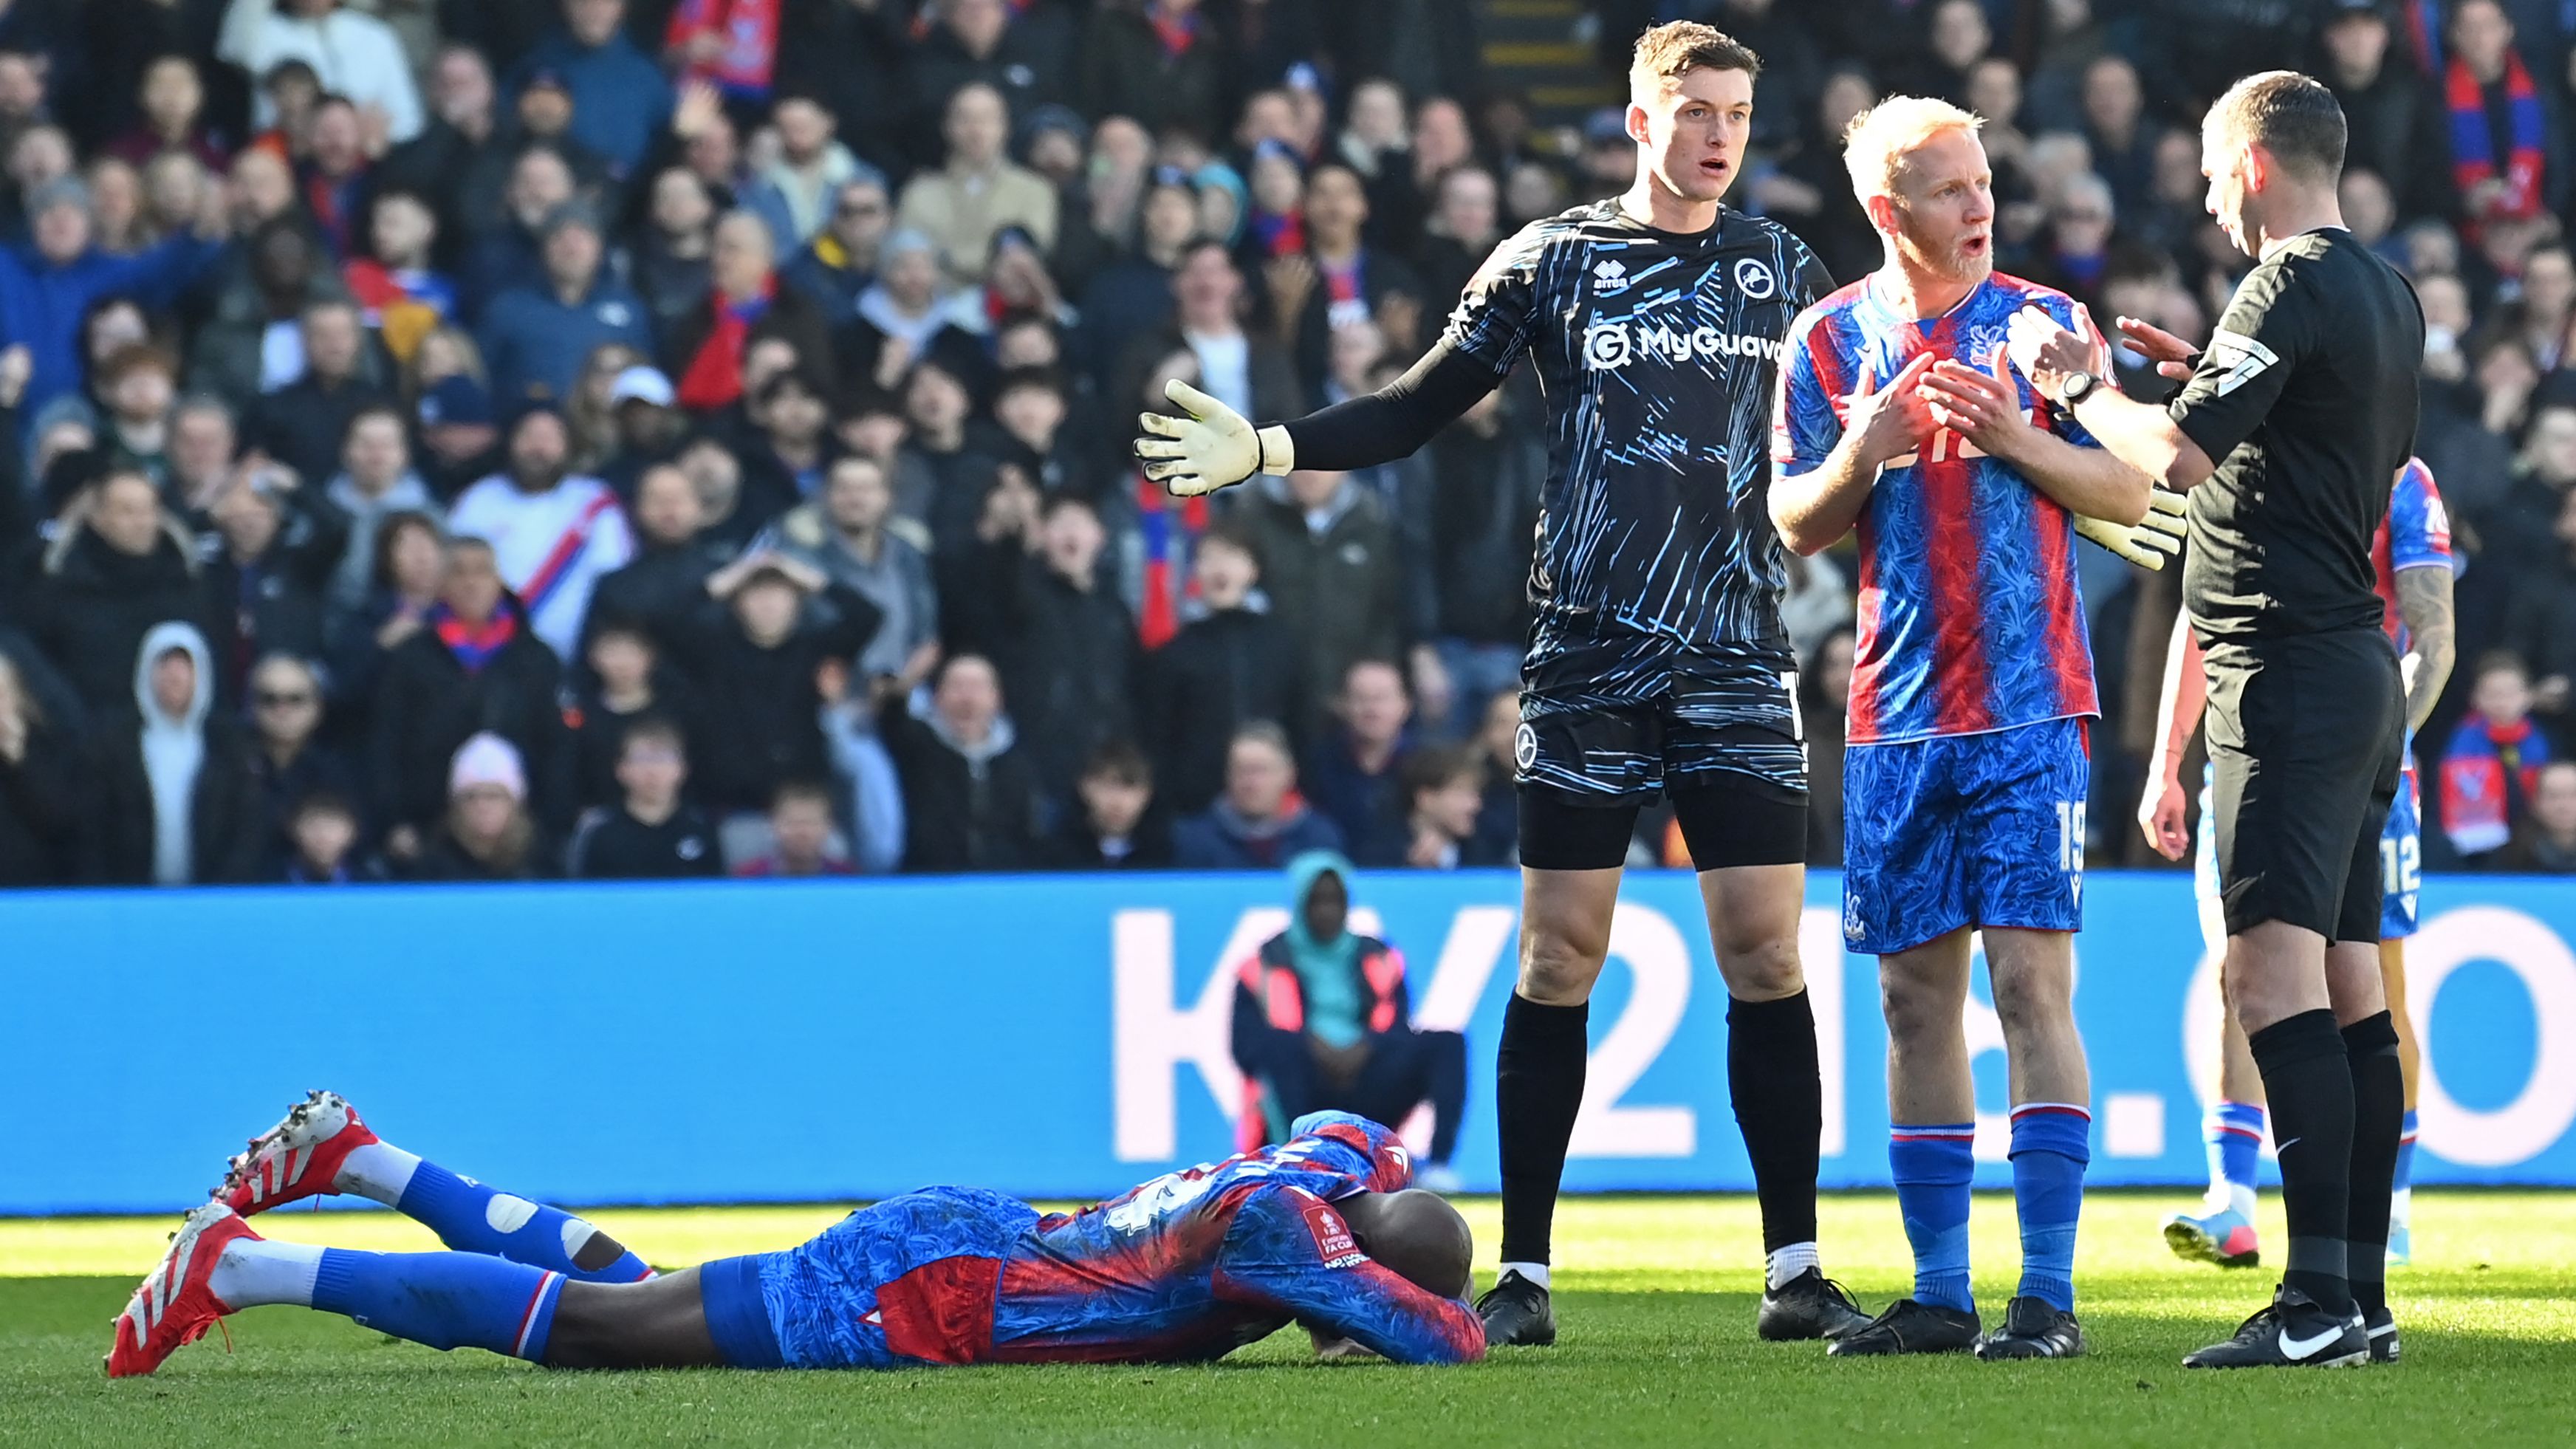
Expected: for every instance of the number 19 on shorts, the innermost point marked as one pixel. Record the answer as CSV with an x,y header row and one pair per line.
x,y
2070,837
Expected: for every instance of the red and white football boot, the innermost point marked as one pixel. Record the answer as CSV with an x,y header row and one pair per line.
x,y
298,1158
176,1303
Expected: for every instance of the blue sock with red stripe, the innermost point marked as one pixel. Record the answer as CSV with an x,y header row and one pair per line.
x,y
472,1218
1932,1165
2051,1143
2234,1133
445,1300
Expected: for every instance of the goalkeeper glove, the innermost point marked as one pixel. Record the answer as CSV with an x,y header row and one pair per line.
x,y
1214,447
2162,529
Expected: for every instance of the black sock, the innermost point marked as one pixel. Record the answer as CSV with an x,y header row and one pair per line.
x,y
1779,1095
2308,1075
2378,1119
1538,1087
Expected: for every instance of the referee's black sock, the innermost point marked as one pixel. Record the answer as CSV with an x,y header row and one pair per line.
x,y
2378,1120
1779,1094
2308,1076
1538,1088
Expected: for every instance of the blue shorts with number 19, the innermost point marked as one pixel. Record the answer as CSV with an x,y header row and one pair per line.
x,y
1964,830
2401,855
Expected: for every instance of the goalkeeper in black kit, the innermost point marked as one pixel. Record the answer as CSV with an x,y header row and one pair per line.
x,y
1657,664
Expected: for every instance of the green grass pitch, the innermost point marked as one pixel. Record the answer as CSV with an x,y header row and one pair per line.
x,y
1655,1298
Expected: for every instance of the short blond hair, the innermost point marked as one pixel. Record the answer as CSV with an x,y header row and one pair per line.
x,y
1676,48
1875,143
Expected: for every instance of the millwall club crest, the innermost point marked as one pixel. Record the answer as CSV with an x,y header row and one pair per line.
x,y
1525,747
1609,279
1754,279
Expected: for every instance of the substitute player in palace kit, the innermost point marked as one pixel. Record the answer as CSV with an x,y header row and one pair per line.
x,y
1965,774
1320,1230
2412,556
2287,436
1657,662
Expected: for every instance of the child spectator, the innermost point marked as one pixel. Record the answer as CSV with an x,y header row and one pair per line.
x,y
2494,761
631,686
323,831
1444,787
653,834
1231,666
1119,825
401,298
800,836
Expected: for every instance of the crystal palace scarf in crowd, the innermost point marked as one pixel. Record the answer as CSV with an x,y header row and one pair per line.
x,y
748,30
1170,530
1177,31
474,645
2473,158
714,378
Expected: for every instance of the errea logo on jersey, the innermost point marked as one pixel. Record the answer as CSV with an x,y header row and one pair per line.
x,y
1611,345
1610,278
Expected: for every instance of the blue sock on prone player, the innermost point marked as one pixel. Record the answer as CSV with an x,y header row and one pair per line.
x,y
444,1300
1932,1166
2051,1143
472,1218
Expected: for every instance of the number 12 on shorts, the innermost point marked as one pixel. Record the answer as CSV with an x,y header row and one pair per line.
x,y
2401,866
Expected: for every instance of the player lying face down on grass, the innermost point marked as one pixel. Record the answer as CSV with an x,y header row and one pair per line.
x,y
1320,1230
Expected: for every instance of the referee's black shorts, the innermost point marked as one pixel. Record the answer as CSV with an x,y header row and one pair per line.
x,y
2305,737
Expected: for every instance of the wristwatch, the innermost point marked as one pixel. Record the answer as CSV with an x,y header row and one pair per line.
x,y
2076,388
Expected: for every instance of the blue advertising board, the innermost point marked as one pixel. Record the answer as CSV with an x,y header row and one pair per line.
x,y
1062,1036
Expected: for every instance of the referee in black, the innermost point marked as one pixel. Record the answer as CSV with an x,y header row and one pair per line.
x,y
2287,434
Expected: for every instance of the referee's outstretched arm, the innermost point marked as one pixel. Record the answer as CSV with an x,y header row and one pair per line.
x,y
2139,434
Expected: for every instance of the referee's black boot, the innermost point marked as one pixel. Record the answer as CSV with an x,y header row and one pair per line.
x,y
2381,1325
1911,1326
2033,1328
1517,1311
1810,1305
2290,1332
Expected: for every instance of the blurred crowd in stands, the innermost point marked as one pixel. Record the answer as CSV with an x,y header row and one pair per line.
x,y
443,439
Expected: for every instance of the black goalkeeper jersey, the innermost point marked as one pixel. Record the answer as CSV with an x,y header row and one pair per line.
x,y
1657,353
